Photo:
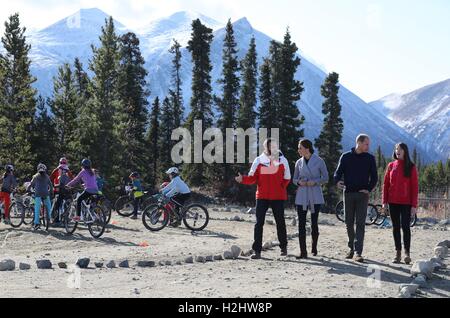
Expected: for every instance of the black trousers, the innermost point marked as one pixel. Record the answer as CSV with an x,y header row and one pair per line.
x,y
401,220
136,205
60,197
278,211
314,220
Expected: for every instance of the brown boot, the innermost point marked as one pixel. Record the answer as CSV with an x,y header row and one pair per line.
x,y
408,258
398,258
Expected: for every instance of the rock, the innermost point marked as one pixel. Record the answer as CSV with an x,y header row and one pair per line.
x,y
200,259
62,265
24,267
236,251
218,257
227,210
444,244
83,263
267,246
189,260
99,265
441,252
270,222
209,258
426,227
423,267
215,210
7,265
237,218
247,253
168,263
146,264
294,222
228,255
432,221
404,293
412,288
162,263
111,265
445,222
437,263
44,264
420,280
124,264
275,243
178,263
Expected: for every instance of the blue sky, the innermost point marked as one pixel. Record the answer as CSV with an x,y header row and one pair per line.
x,y
378,46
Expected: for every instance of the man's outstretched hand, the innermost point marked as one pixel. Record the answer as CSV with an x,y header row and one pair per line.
x,y
239,178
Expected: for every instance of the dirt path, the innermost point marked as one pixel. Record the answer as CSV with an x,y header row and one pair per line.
x,y
327,275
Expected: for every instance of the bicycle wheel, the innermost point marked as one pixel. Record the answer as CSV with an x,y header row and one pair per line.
x,y
196,217
28,215
69,224
107,209
96,222
414,221
340,211
155,218
381,216
124,206
16,215
372,214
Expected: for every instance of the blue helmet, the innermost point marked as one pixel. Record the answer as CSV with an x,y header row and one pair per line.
x,y
86,163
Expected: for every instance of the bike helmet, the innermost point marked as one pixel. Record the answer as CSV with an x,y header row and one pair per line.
x,y
173,170
41,168
86,163
63,161
134,175
9,168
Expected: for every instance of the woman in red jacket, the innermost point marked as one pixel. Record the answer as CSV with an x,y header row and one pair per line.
x,y
401,193
271,173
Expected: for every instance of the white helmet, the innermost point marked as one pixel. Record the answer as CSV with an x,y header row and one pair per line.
x,y
173,170
42,168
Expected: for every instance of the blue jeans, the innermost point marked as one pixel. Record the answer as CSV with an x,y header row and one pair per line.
x,y
37,208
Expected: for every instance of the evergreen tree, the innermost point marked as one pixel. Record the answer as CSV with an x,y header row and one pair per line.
x,y
45,134
105,100
165,138
64,108
227,105
247,110
288,95
153,138
329,142
200,47
19,102
132,114
267,111
176,93
87,123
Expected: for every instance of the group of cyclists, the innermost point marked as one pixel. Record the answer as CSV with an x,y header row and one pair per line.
x,y
61,183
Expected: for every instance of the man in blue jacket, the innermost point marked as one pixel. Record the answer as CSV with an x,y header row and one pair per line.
x,y
357,174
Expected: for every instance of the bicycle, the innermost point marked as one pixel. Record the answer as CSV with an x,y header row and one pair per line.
x,y
124,205
62,212
107,206
157,216
92,216
371,218
15,213
384,214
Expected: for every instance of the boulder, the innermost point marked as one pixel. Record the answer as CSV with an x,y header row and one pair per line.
x,y
44,264
124,264
189,260
111,265
412,288
424,268
7,265
228,255
236,251
441,252
24,267
83,263
146,264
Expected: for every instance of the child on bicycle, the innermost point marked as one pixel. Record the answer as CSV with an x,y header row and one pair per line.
x,y
42,186
62,193
87,177
100,181
9,183
138,193
177,190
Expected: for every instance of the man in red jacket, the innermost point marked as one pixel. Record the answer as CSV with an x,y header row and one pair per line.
x,y
271,173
